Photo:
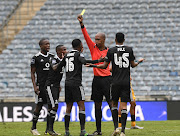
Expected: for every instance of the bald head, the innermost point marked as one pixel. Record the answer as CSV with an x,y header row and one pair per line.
x,y
102,35
100,40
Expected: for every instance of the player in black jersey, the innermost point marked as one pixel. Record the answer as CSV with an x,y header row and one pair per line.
x,y
40,66
122,58
53,86
74,91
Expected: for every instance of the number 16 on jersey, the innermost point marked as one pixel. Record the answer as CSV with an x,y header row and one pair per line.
x,y
69,64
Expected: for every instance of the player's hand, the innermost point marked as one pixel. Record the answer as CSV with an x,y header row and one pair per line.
x,y
36,90
102,59
89,65
141,60
80,18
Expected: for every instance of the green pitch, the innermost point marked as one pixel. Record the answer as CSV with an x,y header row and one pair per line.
x,y
151,128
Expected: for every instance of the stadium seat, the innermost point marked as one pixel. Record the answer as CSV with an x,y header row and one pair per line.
x,y
151,28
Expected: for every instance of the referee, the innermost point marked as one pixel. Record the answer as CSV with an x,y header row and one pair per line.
x,y
102,77
122,58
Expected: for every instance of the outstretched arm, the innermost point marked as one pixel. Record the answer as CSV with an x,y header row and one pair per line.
x,y
134,64
101,66
84,61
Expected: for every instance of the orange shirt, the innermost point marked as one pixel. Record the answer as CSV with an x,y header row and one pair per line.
x,y
96,54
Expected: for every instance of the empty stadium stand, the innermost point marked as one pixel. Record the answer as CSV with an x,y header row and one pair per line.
x,y
152,28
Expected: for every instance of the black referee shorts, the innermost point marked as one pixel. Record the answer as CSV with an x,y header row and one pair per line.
x,y
100,88
122,91
52,95
74,93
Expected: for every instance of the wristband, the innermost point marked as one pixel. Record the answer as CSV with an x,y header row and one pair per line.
x,y
82,26
95,66
139,62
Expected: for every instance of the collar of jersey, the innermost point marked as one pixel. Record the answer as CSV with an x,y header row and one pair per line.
x,y
119,45
74,50
58,57
44,55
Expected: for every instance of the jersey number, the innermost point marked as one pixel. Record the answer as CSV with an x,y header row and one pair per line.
x,y
123,61
69,64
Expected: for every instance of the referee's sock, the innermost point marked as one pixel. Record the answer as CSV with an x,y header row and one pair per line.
x,y
119,121
82,117
115,116
66,121
98,116
52,118
123,119
35,118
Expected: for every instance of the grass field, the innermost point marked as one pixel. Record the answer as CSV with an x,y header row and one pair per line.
x,y
151,128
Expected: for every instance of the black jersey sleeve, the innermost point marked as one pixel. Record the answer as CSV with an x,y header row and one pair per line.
x,y
108,56
54,63
132,57
84,61
33,61
62,63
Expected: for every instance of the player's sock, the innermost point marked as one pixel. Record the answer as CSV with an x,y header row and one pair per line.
x,y
115,116
52,118
67,120
133,122
82,117
35,119
123,119
48,119
119,120
98,116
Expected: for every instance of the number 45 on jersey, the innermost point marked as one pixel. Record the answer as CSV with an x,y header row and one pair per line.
x,y
121,61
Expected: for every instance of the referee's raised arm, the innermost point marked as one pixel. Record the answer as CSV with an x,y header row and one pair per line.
x,y
89,42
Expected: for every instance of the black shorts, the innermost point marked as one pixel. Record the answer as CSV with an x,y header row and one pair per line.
x,y
41,98
74,93
100,88
52,95
122,91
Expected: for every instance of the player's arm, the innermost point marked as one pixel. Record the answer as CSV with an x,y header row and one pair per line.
x,y
36,88
132,58
89,42
134,64
101,66
61,64
84,61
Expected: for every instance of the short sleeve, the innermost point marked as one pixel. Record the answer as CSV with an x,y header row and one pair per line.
x,y
108,56
33,61
132,57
